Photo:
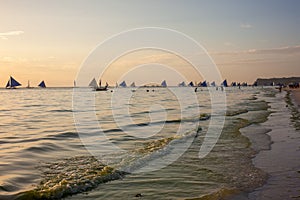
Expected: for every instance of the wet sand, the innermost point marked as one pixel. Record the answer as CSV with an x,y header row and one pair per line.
x,y
281,162
296,97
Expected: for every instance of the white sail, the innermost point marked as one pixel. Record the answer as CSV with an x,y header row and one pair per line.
x,y
132,84
93,83
182,84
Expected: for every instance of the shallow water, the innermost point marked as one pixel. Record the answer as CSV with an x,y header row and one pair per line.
x,y
38,133
281,161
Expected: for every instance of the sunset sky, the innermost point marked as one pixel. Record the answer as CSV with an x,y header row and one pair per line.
x,y
49,40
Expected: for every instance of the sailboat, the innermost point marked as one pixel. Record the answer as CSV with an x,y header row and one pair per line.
x,y
101,88
42,84
28,85
123,84
191,84
224,83
182,84
93,83
132,84
164,84
12,83
203,84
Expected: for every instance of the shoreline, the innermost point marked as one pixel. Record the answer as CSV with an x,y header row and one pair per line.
x,y
295,95
281,160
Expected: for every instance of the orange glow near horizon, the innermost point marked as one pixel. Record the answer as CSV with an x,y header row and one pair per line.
x,y
49,40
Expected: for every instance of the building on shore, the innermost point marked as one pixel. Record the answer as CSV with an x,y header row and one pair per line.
x,y
277,81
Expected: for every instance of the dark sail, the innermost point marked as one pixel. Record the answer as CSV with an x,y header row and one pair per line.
x,y
12,83
225,83
164,83
123,84
42,84
191,84
204,84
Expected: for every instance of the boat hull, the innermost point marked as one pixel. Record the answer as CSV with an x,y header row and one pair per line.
x,y
101,89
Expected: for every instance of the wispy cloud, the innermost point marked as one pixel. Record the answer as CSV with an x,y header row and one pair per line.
x,y
280,50
246,26
277,50
5,35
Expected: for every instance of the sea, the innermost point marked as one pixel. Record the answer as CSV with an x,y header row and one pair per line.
x,y
131,143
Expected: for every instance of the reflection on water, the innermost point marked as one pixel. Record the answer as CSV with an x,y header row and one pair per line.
x,y
37,133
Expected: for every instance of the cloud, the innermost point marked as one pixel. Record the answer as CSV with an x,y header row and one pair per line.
x,y
246,26
4,35
279,50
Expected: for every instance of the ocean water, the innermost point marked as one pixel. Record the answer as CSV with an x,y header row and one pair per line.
x,y
43,156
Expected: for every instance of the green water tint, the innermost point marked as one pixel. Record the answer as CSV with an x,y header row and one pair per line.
x,y
242,108
295,114
232,151
155,145
71,176
236,112
226,171
223,193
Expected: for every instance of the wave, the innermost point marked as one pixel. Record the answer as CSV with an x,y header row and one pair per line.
x,y
61,110
231,113
67,134
42,148
295,114
113,130
247,106
70,176
155,145
223,193
253,98
80,174
202,117
34,105
83,173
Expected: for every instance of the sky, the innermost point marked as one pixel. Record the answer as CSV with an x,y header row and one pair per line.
x,y
50,40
